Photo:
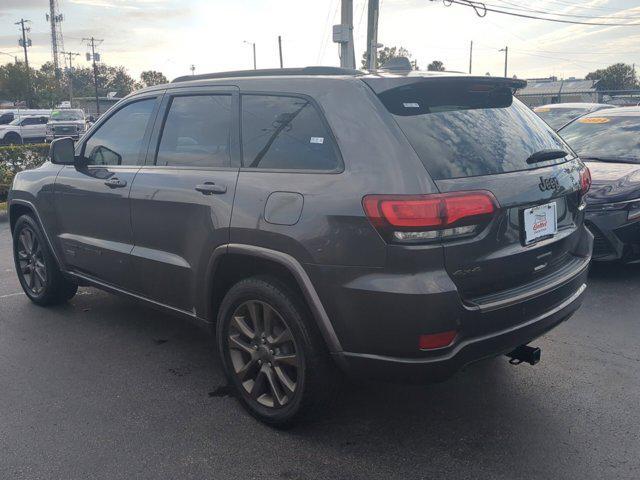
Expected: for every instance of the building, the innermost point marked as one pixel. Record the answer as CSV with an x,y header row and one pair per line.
x,y
88,104
542,91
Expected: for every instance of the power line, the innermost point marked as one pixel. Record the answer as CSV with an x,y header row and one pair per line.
x,y
522,8
481,10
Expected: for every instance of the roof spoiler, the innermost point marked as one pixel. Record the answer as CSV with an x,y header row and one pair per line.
x,y
384,83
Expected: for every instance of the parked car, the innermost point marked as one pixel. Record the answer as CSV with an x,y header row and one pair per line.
x,y
394,226
66,123
24,130
557,115
609,141
10,114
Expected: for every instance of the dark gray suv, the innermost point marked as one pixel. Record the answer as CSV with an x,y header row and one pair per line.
x,y
395,226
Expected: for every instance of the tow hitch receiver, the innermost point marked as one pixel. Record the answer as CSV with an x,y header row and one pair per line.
x,y
524,353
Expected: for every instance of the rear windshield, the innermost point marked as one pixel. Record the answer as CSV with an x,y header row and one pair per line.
x,y
459,129
607,137
558,117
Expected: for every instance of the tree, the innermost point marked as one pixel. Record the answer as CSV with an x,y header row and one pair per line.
x,y
13,82
619,76
387,53
436,66
149,78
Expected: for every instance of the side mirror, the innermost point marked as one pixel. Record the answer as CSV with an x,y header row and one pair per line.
x,y
62,151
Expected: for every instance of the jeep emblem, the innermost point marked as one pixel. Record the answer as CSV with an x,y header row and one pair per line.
x,y
548,184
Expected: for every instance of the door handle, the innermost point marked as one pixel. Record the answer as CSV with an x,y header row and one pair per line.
x,y
115,183
210,188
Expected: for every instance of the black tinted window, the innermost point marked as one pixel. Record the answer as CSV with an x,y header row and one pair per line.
x,y
605,137
285,133
118,141
197,132
461,130
33,121
6,118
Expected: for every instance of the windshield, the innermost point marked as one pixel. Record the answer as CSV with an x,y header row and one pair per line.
x,y
67,115
558,117
461,132
607,137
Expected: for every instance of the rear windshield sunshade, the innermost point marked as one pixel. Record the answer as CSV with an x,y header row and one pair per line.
x,y
465,127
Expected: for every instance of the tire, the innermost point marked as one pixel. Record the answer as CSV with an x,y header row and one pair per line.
x,y
37,269
252,361
12,138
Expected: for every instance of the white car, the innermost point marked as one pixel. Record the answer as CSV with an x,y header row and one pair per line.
x,y
24,130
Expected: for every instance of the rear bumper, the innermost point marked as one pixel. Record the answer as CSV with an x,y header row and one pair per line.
x,y
465,351
616,237
379,316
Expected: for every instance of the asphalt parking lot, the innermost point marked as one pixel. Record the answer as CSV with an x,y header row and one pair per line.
x,y
106,388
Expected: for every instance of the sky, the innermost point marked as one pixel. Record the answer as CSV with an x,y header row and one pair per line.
x,y
172,35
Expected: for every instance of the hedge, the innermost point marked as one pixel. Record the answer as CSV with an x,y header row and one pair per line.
x,y
15,158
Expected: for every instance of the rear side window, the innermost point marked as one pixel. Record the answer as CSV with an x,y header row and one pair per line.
x,y
118,140
285,133
197,132
459,129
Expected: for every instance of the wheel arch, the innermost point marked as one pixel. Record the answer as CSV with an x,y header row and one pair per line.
x,y
19,207
233,262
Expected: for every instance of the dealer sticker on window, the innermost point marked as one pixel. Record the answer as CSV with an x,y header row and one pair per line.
x,y
539,222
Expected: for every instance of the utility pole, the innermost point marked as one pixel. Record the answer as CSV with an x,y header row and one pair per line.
x,y
470,56
57,46
94,57
372,34
193,69
280,49
506,56
70,74
343,34
24,43
253,44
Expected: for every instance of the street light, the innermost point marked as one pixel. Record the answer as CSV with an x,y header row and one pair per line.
x,y
15,57
506,54
253,44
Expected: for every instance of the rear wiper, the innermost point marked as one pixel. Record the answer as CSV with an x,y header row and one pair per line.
x,y
544,155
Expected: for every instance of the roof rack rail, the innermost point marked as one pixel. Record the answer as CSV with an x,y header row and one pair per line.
x,y
272,72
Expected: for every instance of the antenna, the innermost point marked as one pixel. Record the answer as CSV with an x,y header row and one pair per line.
x,y
57,45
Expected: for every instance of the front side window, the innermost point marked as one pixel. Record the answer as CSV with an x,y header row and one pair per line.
x,y
197,132
285,133
118,141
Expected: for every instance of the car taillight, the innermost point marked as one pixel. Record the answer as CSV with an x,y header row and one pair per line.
x,y
436,340
419,218
585,180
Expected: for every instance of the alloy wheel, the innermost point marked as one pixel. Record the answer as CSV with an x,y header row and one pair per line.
x,y
31,261
264,354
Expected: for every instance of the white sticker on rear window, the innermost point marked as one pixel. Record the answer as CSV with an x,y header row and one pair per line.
x,y
411,105
316,140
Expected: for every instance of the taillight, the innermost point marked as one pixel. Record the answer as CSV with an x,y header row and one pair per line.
x,y
585,180
436,340
419,218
